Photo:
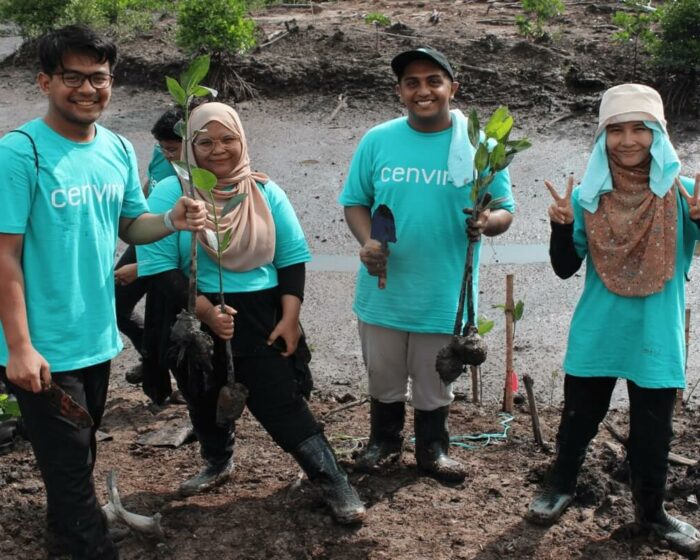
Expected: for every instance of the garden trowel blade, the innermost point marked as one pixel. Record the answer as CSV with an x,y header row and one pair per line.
x,y
383,226
64,404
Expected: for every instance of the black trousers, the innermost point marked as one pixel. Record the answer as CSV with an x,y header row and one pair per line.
x,y
275,400
150,335
586,402
126,298
66,459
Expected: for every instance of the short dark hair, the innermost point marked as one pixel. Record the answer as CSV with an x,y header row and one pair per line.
x,y
164,127
74,39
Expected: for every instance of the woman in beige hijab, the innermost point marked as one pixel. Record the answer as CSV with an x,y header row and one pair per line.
x,y
634,220
263,284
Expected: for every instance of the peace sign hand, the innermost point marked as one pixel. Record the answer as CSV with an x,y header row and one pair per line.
x,y
561,211
693,201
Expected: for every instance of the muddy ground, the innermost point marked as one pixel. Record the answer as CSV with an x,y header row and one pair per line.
x,y
265,511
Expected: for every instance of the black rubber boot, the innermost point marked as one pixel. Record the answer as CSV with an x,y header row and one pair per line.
x,y
558,492
209,477
385,440
316,457
432,445
651,515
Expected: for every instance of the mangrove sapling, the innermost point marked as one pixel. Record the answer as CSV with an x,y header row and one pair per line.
x,y
190,341
493,152
233,395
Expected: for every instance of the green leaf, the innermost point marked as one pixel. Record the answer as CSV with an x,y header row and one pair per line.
x,y
232,203
226,241
180,129
176,91
497,119
510,156
501,133
516,146
519,310
181,169
483,325
481,159
195,73
497,157
203,179
203,91
499,306
473,128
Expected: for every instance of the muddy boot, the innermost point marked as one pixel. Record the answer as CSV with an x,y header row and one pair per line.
x,y
209,477
316,457
385,440
649,512
558,492
432,445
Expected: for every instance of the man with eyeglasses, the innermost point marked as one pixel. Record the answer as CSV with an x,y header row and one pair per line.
x,y
68,187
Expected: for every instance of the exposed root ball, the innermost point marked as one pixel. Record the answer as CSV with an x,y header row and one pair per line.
x,y
230,404
458,353
191,342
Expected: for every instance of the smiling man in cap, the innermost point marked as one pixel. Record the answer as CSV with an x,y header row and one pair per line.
x,y
404,164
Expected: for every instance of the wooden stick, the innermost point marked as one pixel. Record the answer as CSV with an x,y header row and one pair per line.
x,y
274,40
674,458
528,381
341,104
475,384
345,407
679,392
508,391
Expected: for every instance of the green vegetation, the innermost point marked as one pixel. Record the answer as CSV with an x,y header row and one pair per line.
x,y
538,13
215,26
635,28
377,18
9,408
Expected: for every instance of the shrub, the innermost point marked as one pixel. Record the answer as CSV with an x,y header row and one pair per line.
x,y
635,28
215,26
543,11
33,18
377,18
676,52
678,44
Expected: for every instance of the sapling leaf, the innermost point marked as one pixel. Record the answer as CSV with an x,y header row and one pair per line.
x,y
497,157
506,162
496,120
483,325
473,128
195,73
203,91
516,146
180,129
176,91
519,310
501,133
181,169
496,202
481,159
226,241
232,202
499,306
203,179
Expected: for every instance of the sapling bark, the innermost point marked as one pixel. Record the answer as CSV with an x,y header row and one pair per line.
x,y
493,153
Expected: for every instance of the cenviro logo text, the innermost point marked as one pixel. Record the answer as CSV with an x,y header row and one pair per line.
x,y
86,194
414,175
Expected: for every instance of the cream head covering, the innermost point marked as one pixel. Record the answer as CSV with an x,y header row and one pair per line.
x,y
630,102
251,222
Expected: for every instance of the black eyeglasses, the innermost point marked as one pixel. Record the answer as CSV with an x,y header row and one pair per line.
x,y
75,79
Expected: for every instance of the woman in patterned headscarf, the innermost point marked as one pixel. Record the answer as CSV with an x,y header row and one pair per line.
x,y
635,221
263,283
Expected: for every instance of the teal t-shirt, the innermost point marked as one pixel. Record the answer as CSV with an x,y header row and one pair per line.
x,y
173,252
637,338
407,170
69,218
159,168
